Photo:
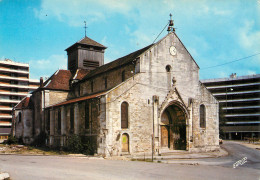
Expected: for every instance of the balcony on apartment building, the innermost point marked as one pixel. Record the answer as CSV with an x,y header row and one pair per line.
x,y
6,116
19,71
13,78
8,62
10,93
18,86
5,123
233,85
13,101
6,108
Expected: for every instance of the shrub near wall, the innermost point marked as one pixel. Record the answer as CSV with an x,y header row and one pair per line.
x,y
82,144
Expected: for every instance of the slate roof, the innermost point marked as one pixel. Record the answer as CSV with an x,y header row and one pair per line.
x,y
87,41
116,63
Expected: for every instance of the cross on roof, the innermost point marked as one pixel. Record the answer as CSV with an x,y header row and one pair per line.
x,y
85,27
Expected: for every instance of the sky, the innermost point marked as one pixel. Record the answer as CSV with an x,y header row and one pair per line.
x,y
215,32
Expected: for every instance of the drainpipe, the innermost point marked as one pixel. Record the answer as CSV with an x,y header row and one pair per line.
x,y
155,121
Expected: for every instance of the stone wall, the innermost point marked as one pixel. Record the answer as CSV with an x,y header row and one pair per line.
x,y
114,77
24,125
55,97
154,81
205,139
58,137
159,81
140,117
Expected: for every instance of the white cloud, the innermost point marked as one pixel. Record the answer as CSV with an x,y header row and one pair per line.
x,y
46,67
249,39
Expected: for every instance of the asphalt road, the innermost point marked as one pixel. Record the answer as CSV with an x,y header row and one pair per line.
x,y
63,167
236,152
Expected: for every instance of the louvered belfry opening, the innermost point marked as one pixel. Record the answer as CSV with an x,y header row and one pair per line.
x,y
90,64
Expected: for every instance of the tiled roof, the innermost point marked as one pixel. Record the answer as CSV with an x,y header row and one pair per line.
x,y
117,63
58,81
78,99
91,42
87,41
25,103
79,74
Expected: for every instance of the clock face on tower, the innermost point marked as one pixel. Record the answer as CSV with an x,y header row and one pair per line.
x,y
173,50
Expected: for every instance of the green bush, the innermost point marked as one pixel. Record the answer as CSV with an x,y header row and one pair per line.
x,y
11,140
81,144
89,145
40,140
74,144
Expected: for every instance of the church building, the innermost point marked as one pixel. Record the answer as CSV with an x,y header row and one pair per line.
x,y
150,100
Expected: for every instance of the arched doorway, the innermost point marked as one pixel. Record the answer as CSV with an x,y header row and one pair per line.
x,y
125,143
173,128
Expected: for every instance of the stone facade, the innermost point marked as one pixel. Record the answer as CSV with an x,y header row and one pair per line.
x,y
149,100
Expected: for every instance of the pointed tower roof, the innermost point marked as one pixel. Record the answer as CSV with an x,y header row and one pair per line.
x,y
86,41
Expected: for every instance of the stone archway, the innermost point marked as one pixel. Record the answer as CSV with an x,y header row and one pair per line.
x,y
173,128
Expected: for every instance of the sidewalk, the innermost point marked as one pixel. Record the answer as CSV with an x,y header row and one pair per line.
x,y
173,157
186,155
255,145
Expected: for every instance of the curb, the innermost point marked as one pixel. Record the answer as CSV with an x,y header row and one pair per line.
x,y
4,176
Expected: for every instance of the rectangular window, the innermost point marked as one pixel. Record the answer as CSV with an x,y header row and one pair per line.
x,y
86,115
72,119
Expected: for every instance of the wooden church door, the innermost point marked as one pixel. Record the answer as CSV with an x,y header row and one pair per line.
x,y
125,143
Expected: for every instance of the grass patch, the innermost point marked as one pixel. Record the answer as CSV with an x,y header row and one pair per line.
x,y
30,150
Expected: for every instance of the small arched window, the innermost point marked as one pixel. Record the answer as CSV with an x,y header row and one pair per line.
x,y
168,68
124,115
202,116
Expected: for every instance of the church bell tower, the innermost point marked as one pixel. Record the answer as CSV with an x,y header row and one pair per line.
x,y
85,54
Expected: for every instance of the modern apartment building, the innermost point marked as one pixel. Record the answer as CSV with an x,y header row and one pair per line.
x,y
14,86
239,100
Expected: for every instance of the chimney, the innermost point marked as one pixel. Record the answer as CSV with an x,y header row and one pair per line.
x,y
41,82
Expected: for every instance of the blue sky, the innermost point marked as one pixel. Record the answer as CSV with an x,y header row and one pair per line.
x,y
214,31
